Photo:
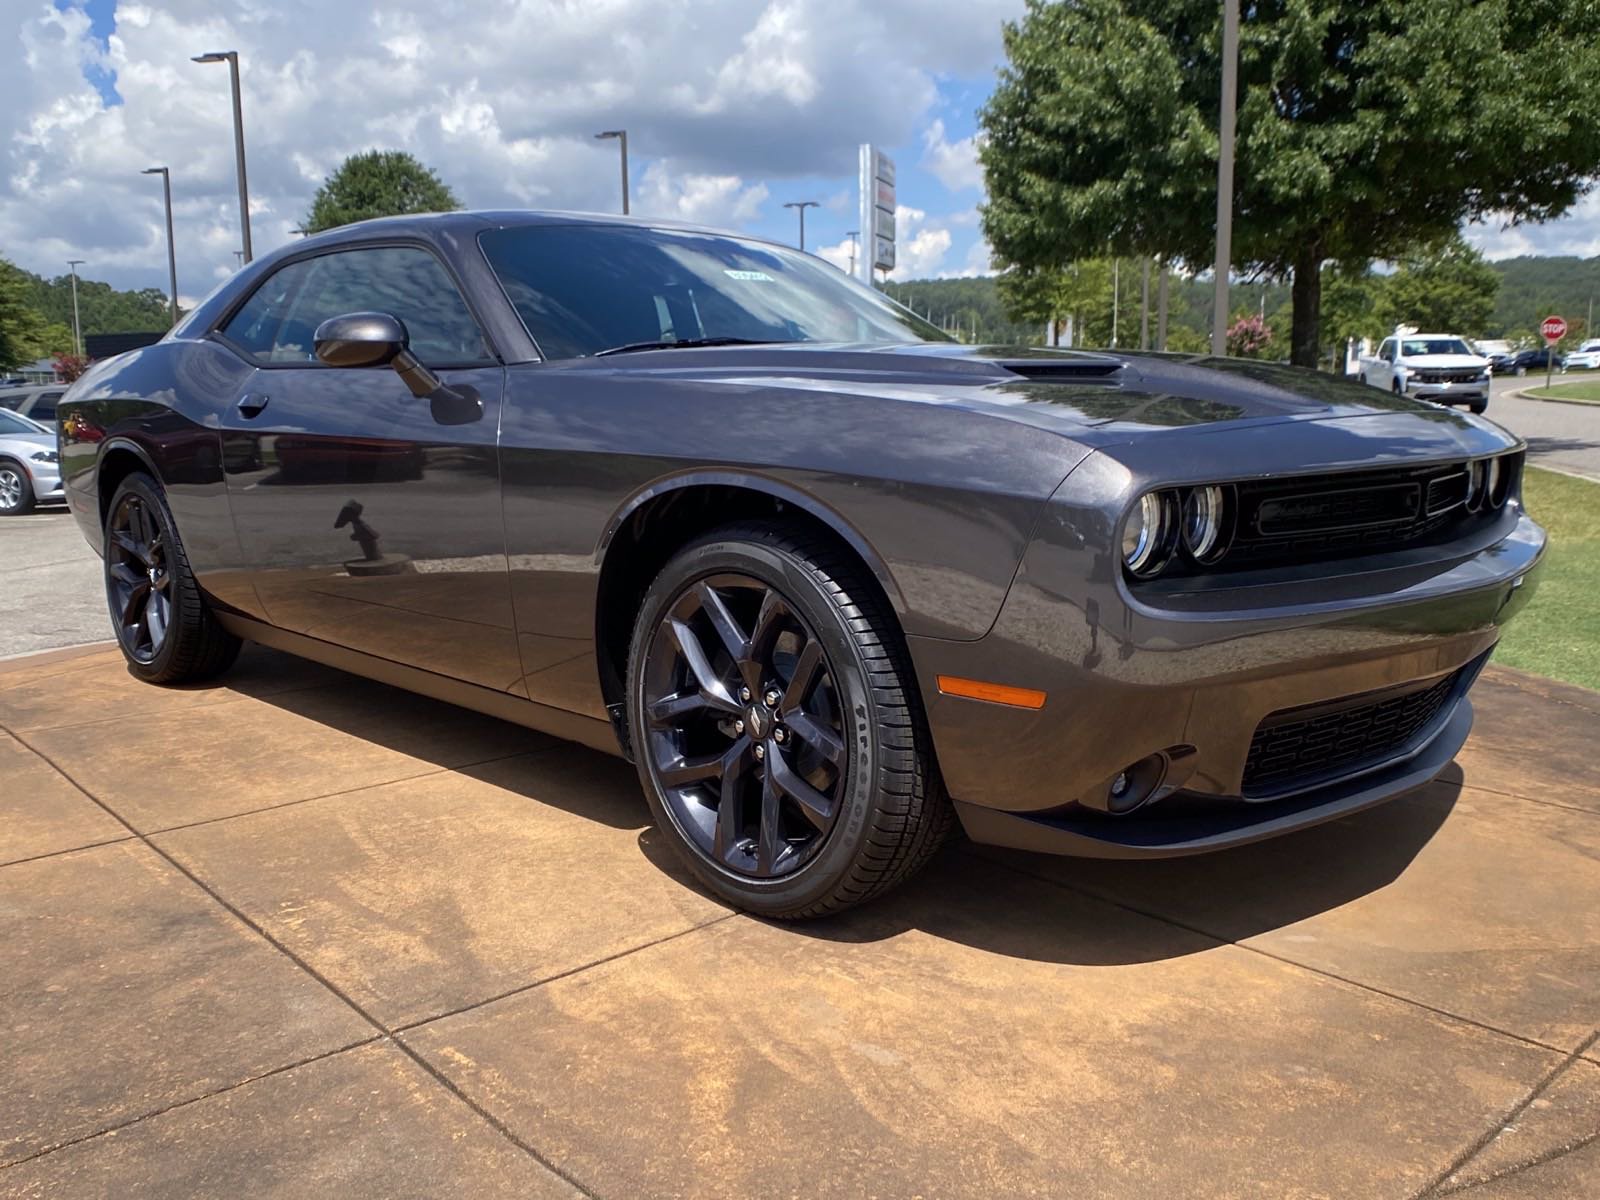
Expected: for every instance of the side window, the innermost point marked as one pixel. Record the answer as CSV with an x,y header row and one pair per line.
x,y
44,408
1386,351
277,324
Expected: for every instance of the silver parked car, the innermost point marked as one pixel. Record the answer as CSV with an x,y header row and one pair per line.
x,y
29,465
37,402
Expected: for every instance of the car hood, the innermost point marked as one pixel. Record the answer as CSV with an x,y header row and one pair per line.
x,y
27,443
1095,397
1443,361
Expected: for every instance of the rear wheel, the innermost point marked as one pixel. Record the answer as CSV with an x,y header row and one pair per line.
x,y
163,626
776,726
16,489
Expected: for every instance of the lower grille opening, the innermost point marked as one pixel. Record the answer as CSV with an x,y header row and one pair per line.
x,y
1300,747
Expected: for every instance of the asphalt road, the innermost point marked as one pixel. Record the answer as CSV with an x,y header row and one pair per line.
x,y
50,581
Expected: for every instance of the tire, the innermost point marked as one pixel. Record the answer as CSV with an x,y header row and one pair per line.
x,y
16,489
144,557
889,812
1479,407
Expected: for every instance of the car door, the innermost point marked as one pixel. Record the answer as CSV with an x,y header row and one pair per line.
x,y
369,517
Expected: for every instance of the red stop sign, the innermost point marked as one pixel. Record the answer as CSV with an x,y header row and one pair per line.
x,y
1553,328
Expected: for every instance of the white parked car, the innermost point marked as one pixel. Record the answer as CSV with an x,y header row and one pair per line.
x,y
30,470
1430,366
1585,358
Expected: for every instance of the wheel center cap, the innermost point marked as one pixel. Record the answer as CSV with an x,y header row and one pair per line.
x,y
758,720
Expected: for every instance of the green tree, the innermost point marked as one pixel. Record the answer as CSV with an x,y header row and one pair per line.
x,y
378,183
1363,130
1444,289
21,329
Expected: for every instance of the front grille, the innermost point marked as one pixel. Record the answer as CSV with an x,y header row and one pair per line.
x,y
1460,375
1298,519
1299,747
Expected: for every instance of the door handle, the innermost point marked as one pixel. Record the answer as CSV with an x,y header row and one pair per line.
x,y
251,403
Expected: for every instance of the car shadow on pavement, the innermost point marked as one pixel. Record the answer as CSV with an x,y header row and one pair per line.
x,y
1032,906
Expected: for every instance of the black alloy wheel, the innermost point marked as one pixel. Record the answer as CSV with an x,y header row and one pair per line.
x,y
776,726
744,732
165,629
138,583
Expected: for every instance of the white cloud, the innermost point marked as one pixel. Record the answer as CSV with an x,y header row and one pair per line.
x,y
919,247
954,164
719,98
1577,233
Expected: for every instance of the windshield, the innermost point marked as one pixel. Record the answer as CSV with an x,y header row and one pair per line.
x,y
11,422
1434,346
584,289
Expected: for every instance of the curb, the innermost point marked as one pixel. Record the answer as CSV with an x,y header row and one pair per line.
x,y
1522,394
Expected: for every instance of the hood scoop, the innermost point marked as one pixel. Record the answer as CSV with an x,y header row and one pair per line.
x,y
1070,371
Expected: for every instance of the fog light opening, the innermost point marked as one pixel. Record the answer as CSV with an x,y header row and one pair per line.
x,y
1131,788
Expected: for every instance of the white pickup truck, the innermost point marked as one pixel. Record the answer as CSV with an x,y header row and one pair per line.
x,y
1429,366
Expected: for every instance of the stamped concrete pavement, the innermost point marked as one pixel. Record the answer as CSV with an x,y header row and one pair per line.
x,y
296,933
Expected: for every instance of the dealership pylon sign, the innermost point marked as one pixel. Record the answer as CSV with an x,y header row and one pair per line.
x,y
877,212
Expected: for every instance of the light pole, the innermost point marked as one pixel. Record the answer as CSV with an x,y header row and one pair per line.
x,y
801,206
856,233
231,57
172,254
77,327
1230,95
622,137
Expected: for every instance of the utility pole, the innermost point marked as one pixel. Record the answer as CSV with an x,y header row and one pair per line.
x,y
77,327
1161,306
856,233
800,206
621,135
231,57
1116,291
1230,96
1144,307
172,254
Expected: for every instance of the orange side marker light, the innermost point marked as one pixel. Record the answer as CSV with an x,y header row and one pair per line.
x,y
994,693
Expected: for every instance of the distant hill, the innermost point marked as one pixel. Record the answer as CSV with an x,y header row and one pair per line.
x,y
1531,288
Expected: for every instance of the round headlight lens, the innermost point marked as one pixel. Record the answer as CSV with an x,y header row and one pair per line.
x,y
1499,484
1202,521
1477,475
1145,535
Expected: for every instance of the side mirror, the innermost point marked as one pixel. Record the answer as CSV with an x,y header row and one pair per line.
x,y
363,339
374,339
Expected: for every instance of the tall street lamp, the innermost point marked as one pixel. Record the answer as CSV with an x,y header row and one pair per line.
x,y
622,136
231,57
172,254
853,235
801,206
77,327
1230,94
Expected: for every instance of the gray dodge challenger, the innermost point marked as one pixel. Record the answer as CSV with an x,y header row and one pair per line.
x,y
830,580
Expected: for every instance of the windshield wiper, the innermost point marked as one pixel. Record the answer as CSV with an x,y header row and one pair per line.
x,y
687,344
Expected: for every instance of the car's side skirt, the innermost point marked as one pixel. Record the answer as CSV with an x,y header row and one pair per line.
x,y
573,727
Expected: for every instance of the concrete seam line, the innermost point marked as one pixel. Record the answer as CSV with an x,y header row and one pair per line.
x,y
178,1104
1511,1115
32,858
1537,1160
409,1026
1278,958
261,932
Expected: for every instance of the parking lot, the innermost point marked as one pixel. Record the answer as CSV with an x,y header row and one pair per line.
x,y
300,933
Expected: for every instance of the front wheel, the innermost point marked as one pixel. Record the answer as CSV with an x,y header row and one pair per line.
x,y
165,630
16,489
777,728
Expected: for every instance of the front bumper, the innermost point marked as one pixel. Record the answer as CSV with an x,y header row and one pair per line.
x,y
1448,393
1192,681
46,479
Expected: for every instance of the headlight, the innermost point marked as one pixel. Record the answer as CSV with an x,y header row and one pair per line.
x,y
45,456
1204,514
1499,483
1477,474
1148,534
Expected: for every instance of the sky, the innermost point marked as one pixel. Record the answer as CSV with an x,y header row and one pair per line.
x,y
733,107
